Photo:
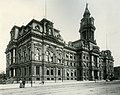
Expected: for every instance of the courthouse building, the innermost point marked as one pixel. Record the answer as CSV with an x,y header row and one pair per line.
x,y
37,52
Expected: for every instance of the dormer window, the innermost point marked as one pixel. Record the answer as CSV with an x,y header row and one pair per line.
x,y
50,31
12,34
37,27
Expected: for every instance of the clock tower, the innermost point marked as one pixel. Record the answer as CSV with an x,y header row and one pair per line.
x,y
87,27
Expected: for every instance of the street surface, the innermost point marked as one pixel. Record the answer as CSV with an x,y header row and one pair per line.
x,y
71,88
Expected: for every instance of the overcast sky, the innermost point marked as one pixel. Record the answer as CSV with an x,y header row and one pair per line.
x,y
66,16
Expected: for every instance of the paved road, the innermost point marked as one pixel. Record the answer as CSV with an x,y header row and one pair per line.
x,y
76,88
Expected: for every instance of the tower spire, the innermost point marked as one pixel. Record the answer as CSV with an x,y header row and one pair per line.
x,y
87,27
87,12
86,5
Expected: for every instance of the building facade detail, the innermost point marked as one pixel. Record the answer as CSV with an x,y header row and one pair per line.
x,y
38,52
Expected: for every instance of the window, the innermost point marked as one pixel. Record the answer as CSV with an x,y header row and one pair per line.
x,y
74,57
37,70
50,31
59,79
87,57
51,71
48,78
59,60
83,57
47,72
67,63
37,78
29,54
37,54
59,73
74,64
67,74
72,74
67,56
75,73
71,56
52,78
37,27
49,56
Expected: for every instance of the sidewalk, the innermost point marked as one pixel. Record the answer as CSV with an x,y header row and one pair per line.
x,y
11,86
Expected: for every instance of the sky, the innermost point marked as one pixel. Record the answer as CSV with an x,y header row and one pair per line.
x,y
66,16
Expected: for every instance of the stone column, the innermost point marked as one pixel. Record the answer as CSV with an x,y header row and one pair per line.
x,y
69,72
92,60
34,71
92,74
98,75
40,71
65,73
32,51
50,71
13,55
54,71
9,73
9,57
97,61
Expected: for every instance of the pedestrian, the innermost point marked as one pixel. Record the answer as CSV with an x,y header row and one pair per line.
x,y
96,77
20,83
43,82
23,82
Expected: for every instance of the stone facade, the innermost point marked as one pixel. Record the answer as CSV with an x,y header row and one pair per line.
x,y
37,52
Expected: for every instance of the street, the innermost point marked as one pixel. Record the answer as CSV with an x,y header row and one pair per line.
x,y
76,88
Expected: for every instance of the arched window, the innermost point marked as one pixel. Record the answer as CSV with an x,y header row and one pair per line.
x,y
49,56
59,56
67,73
75,73
37,54
48,72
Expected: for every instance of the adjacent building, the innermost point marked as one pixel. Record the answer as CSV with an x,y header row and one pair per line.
x,y
38,52
117,72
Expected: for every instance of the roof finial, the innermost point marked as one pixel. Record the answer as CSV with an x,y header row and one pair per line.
x,y
86,13
86,5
